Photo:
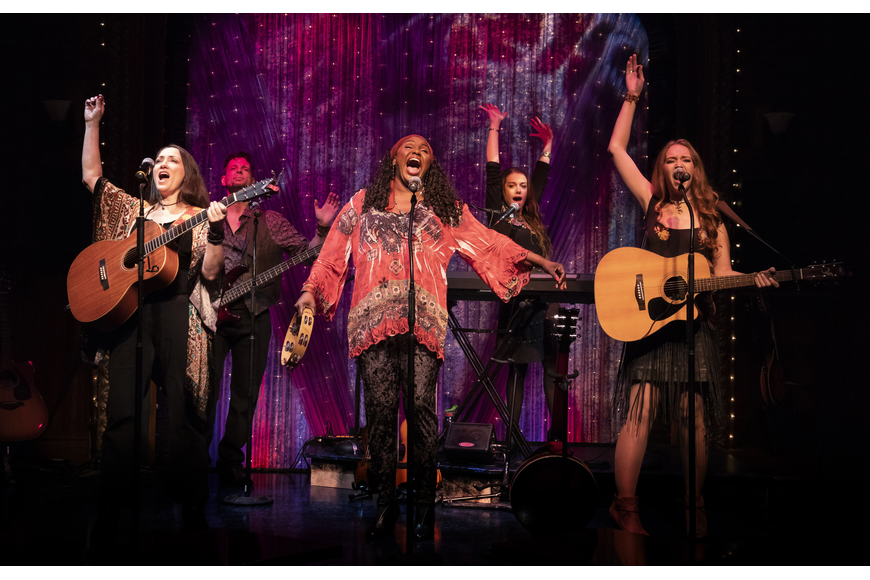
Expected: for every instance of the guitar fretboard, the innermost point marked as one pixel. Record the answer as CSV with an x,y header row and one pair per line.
x,y
240,290
181,228
740,280
252,191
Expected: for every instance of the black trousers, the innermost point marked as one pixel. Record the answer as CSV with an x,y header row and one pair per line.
x,y
164,356
384,368
234,337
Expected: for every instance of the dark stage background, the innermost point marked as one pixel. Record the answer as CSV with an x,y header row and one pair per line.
x,y
725,82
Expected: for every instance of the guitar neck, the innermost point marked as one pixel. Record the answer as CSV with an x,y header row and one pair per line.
x,y
741,280
183,227
253,191
240,290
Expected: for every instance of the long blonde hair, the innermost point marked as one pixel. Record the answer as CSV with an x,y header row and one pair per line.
x,y
704,198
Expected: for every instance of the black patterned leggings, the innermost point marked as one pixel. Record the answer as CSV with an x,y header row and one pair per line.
x,y
384,368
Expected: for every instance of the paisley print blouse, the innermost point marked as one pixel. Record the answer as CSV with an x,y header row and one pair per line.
x,y
377,244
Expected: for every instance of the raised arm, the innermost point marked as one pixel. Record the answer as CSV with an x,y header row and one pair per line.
x,y
635,181
92,167
495,119
545,134
541,173
325,215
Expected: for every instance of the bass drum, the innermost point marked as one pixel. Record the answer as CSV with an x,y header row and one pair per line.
x,y
551,494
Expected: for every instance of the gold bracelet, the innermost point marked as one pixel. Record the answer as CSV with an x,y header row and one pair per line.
x,y
631,98
547,155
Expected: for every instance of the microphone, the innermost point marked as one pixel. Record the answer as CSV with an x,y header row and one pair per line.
x,y
515,207
415,184
681,174
145,169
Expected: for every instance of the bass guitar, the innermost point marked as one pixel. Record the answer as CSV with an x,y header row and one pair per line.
x,y
233,292
637,293
102,284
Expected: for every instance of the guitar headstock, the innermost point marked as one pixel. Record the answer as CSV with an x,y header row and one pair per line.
x,y
824,271
265,188
565,325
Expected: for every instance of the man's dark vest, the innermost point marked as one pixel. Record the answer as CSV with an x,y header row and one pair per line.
x,y
268,255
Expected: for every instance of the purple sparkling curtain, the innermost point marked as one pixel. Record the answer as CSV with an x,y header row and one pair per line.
x,y
322,97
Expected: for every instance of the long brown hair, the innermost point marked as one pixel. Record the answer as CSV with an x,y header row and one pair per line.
x,y
531,212
703,196
193,191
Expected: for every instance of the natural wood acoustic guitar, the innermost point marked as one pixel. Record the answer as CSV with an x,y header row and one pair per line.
x,y
637,292
102,284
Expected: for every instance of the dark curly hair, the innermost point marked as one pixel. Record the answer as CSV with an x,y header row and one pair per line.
x,y
440,193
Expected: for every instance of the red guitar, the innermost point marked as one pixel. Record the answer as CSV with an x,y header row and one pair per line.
x,y
23,414
102,284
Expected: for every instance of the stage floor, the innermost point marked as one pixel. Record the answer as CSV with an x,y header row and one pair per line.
x,y
761,510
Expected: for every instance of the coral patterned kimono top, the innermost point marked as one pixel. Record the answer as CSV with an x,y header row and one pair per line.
x,y
378,243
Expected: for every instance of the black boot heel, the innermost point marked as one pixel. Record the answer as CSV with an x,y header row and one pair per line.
x,y
424,518
385,522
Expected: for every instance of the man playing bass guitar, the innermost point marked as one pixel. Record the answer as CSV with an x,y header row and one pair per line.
x,y
274,235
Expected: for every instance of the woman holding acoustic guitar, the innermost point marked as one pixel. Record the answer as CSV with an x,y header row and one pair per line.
x,y
175,336
653,373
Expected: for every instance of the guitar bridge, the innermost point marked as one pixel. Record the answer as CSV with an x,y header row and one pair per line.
x,y
638,292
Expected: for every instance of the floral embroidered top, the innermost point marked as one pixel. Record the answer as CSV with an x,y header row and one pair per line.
x,y
378,245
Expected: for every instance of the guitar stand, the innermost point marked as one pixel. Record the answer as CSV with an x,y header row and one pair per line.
x,y
484,376
504,487
364,493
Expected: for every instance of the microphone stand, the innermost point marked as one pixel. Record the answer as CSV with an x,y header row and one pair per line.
x,y
138,386
690,345
245,498
409,401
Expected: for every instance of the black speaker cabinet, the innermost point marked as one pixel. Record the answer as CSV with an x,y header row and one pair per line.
x,y
469,443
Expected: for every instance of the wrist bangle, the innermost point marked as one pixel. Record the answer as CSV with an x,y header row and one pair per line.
x,y
322,231
215,239
631,98
547,155
307,288
494,129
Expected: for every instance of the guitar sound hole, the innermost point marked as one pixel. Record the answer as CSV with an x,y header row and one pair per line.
x,y
675,289
130,259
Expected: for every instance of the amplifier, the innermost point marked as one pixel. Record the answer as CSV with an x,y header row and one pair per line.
x,y
469,443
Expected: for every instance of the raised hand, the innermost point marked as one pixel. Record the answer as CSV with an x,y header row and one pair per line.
x,y
634,76
495,116
543,132
94,109
326,213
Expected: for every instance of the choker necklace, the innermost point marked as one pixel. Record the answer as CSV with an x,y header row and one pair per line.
x,y
176,203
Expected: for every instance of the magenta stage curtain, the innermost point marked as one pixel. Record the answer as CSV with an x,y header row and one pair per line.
x,y
322,97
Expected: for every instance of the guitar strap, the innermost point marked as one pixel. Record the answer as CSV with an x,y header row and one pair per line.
x,y
723,207
188,213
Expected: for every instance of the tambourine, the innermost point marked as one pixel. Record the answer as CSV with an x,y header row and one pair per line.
x,y
296,340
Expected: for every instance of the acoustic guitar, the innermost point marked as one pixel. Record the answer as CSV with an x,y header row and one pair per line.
x,y
402,469
637,293
23,414
102,284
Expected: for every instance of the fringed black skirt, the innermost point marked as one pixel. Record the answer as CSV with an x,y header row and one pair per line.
x,y
662,359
